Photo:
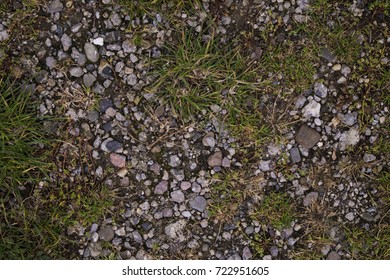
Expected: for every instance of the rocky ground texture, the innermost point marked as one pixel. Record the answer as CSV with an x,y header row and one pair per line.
x,y
305,175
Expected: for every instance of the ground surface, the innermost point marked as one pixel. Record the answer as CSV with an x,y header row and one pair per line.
x,y
195,129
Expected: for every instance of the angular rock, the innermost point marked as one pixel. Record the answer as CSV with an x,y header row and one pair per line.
x,y
118,160
312,109
208,140
174,161
104,105
369,157
350,119
320,90
265,165
51,62
198,203
307,137
95,249
55,6
215,159
161,187
91,52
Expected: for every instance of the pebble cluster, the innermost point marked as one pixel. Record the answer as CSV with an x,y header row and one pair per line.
x,y
90,67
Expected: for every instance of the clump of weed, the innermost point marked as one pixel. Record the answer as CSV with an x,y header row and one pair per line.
x,y
276,209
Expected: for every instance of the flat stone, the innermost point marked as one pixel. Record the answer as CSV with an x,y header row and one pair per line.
x,y
215,159
198,203
98,41
51,62
350,216
76,72
209,140
265,165
93,115
91,52
369,157
295,155
177,196
118,160
112,146
307,137
185,185
320,90
95,249
88,79
333,256
350,119
246,253
368,217
66,42
106,233
55,6
104,105
310,198
312,109
161,187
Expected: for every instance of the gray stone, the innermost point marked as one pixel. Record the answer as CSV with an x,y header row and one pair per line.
x,y
91,52
76,72
104,105
175,230
112,36
274,251
215,159
93,115
51,62
128,46
55,6
265,165
369,157
307,137
312,109
320,90
88,80
66,42
246,253
345,70
226,20
350,137
112,146
115,19
132,79
295,155
198,203
178,174
177,196
174,161
350,216
350,118
95,249
325,53
310,198
106,233
333,256
161,187
137,237
235,256
208,140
